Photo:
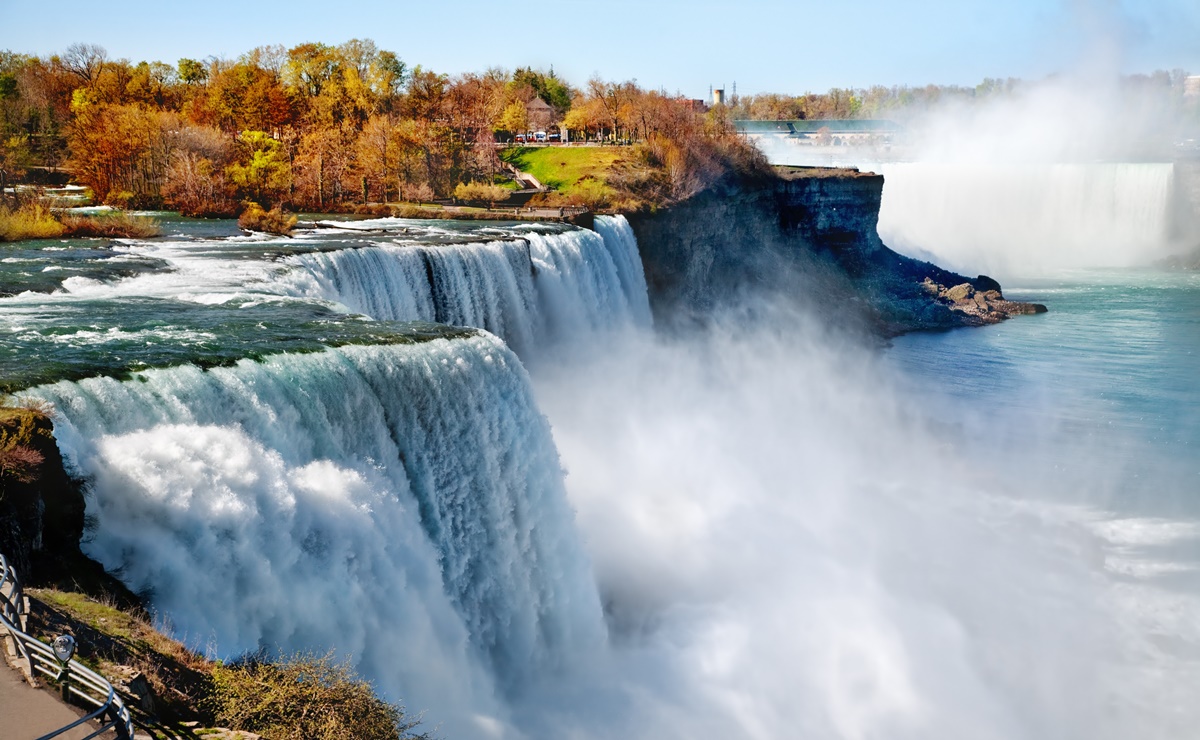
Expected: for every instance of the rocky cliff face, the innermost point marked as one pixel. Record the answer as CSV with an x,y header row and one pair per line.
x,y
37,511
42,510
809,233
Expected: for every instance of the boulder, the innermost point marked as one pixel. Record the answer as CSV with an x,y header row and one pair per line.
x,y
985,284
960,292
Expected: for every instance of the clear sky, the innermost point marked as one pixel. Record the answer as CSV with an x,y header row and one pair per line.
x,y
764,46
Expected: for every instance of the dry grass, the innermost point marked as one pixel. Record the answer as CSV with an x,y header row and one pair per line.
x,y
35,220
306,697
29,221
112,641
116,225
298,696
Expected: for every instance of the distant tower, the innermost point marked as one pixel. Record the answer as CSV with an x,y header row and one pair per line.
x,y
718,96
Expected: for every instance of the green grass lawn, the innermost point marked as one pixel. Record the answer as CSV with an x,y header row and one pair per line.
x,y
561,168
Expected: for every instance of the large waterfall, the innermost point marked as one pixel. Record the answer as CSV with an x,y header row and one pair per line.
x,y
1025,219
403,504
757,528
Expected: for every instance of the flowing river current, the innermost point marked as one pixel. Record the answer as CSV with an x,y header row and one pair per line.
x,y
462,455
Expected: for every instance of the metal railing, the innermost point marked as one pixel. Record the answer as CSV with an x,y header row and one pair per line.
x,y
75,679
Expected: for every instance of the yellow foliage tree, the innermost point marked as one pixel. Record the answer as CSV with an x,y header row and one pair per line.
x,y
514,119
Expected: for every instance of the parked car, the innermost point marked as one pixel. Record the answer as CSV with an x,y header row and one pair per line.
x,y
553,137
539,136
520,138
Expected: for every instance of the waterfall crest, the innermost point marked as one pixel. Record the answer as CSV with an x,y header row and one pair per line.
x,y
538,288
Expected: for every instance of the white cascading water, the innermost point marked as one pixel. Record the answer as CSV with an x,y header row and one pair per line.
x,y
528,291
403,504
1022,219
787,539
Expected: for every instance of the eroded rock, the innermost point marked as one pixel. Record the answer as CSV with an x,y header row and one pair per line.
x,y
983,301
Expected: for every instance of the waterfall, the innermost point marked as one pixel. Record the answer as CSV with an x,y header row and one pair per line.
x,y
538,288
1022,219
402,503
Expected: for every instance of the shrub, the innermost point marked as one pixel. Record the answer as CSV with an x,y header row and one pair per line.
x,y
29,221
479,191
416,193
373,209
117,224
274,221
34,220
118,198
305,696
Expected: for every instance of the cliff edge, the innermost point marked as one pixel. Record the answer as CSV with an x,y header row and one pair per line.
x,y
42,511
809,233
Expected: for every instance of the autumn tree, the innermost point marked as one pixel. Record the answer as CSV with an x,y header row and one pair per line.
x,y
120,151
192,72
195,183
261,169
85,61
378,154
243,97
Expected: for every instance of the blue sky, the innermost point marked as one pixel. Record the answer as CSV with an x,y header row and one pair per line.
x,y
763,46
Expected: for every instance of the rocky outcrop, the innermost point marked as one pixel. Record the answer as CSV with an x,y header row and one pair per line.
x,y
987,306
810,234
38,512
42,511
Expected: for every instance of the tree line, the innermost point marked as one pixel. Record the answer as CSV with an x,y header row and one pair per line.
x,y
904,102
324,126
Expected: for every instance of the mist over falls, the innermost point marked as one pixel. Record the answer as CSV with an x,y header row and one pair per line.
x,y
755,528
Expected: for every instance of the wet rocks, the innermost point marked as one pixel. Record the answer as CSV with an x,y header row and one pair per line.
x,y
981,301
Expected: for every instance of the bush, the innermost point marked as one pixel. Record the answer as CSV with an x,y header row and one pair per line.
x,y
305,696
29,221
34,220
119,198
481,192
274,221
111,225
416,193
373,209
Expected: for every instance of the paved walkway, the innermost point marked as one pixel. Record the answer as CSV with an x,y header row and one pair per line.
x,y
27,713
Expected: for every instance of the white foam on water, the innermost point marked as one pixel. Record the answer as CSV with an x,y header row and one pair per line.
x,y
401,504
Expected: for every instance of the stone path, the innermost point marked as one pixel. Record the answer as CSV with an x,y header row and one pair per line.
x,y
27,713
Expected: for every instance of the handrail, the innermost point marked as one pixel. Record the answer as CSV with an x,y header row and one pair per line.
x,y
78,680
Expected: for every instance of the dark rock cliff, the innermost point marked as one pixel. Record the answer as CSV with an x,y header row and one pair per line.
x,y
809,233
42,511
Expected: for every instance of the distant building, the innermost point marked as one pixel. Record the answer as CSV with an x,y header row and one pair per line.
x,y
833,132
1191,86
540,114
696,105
